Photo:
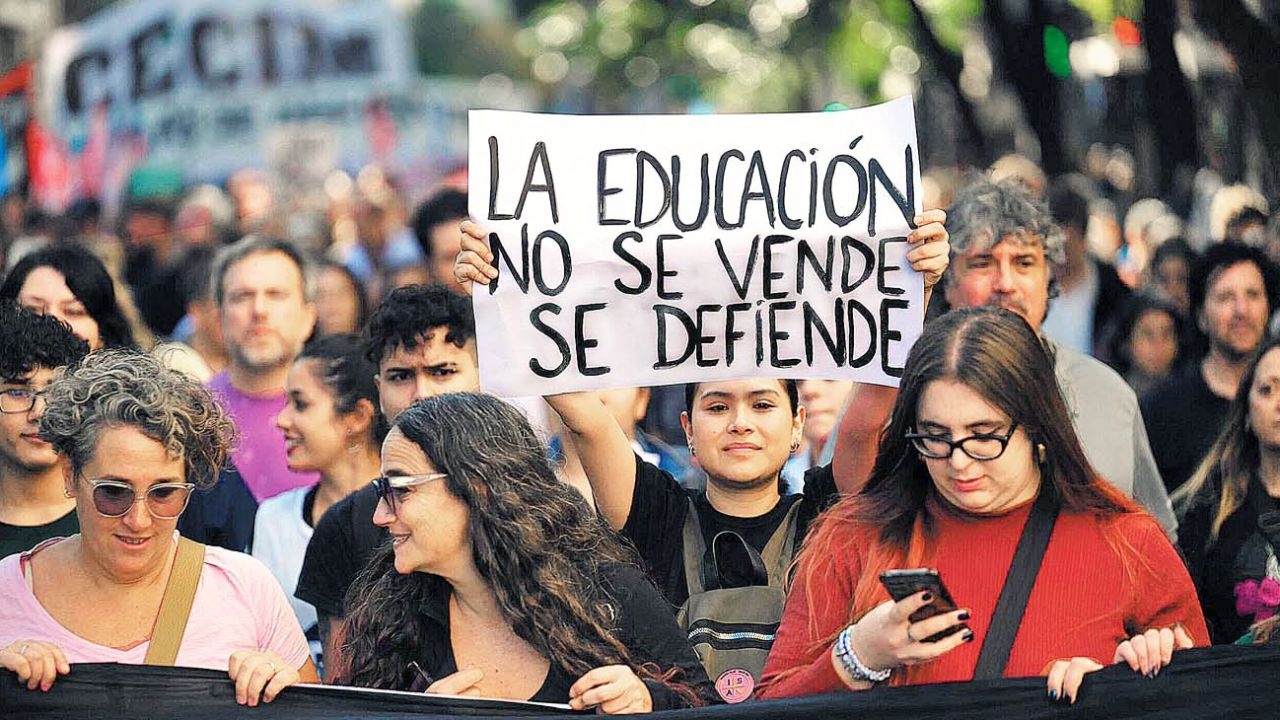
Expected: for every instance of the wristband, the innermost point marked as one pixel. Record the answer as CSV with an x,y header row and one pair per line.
x,y
854,666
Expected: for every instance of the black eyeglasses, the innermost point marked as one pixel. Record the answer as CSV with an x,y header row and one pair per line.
x,y
18,400
393,489
165,501
980,446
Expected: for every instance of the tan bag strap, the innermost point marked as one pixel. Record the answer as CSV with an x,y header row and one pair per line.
x,y
175,606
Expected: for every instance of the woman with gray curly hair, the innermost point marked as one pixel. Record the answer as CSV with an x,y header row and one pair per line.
x,y
134,439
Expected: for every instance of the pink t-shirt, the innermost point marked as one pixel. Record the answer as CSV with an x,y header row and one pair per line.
x,y
259,455
238,606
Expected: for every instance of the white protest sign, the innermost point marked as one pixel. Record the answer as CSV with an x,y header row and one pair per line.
x,y
646,250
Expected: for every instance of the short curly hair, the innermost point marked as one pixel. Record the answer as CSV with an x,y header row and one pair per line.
x,y
121,387
29,341
410,312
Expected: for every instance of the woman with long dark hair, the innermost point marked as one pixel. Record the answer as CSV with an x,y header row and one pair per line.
x,y
500,580
979,441
332,426
1229,510
70,283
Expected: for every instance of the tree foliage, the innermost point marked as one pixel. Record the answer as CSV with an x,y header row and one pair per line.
x,y
762,55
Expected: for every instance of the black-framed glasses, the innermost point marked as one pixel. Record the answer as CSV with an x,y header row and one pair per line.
x,y
165,501
393,489
18,400
979,446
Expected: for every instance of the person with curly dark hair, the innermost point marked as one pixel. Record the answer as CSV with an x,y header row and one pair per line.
x,y
135,439
32,506
1233,289
500,580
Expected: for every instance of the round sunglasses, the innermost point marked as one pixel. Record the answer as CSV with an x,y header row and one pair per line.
x,y
165,501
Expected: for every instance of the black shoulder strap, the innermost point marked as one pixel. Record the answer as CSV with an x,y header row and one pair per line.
x,y
1017,586
775,558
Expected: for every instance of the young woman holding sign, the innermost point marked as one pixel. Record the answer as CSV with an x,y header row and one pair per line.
x,y
741,432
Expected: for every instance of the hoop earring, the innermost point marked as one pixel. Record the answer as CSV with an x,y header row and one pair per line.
x,y
795,445
692,451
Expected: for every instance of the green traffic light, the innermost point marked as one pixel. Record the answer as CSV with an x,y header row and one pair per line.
x,y
1057,51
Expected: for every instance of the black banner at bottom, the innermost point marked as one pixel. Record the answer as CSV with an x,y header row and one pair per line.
x,y
1238,683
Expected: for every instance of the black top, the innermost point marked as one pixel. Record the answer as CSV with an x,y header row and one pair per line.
x,y
20,538
340,547
1183,418
222,515
1231,559
659,507
643,626
1107,306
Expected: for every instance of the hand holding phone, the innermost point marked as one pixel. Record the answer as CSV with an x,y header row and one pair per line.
x,y
902,584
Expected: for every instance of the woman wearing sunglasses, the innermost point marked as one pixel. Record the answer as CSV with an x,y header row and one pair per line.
x,y
979,447
500,581
134,439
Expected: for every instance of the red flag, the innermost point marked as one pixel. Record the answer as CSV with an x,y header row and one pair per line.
x,y
50,169
93,159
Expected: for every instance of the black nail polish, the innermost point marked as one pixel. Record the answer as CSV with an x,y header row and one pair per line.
x,y
964,615
968,636
927,597
1053,694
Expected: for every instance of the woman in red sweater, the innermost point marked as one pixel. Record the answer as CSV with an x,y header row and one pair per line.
x,y
978,432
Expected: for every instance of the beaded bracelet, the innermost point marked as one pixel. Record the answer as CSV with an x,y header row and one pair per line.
x,y
855,667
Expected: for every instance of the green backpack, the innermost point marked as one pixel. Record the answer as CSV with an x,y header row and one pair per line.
x,y
733,628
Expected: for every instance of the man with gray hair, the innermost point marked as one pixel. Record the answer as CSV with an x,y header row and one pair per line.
x,y
265,293
1003,242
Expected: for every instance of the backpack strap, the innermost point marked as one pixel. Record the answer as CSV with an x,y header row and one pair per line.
x,y
1007,617
777,552
694,548
175,605
780,549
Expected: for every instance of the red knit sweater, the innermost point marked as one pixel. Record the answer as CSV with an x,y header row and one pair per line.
x,y
1084,602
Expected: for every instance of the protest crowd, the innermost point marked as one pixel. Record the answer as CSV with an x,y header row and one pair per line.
x,y
226,444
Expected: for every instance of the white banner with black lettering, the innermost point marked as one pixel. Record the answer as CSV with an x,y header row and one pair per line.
x,y
201,85
645,250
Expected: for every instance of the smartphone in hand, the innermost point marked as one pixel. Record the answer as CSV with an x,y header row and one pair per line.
x,y
905,583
